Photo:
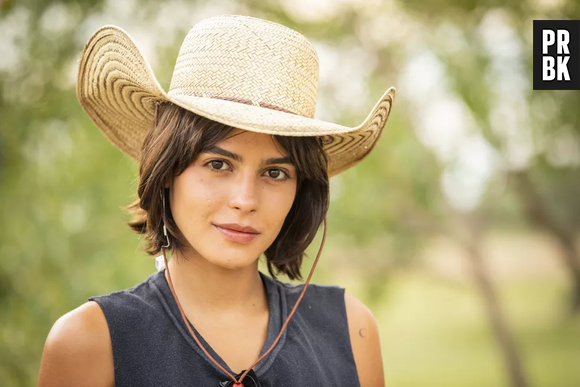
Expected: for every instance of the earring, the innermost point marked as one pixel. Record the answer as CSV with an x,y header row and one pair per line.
x,y
164,228
161,261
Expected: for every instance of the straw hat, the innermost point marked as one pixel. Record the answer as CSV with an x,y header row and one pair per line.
x,y
241,71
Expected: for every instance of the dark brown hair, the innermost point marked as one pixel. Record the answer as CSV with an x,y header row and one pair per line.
x,y
176,140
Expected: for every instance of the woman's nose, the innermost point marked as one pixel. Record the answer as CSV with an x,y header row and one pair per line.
x,y
244,192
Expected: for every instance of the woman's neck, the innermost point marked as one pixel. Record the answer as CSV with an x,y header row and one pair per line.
x,y
203,287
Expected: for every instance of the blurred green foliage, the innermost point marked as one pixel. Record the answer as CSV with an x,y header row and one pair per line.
x,y
63,236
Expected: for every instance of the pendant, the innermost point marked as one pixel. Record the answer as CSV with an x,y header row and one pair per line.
x,y
250,380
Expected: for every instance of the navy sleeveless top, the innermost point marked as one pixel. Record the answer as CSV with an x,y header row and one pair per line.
x,y
153,347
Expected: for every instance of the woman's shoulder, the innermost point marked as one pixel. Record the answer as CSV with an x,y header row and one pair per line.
x,y
365,341
332,307
79,346
77,349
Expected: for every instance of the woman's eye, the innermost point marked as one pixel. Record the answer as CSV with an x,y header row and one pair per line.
x,y
217,164
277,173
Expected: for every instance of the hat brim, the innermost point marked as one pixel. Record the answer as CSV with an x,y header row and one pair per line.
x,y
118,90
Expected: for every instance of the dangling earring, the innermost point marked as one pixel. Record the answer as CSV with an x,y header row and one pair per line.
x,y
164,228
161,261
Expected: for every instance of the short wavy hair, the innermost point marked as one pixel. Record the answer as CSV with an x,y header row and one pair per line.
x,y
175,141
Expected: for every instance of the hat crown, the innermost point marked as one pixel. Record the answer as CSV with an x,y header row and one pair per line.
x,y
248,60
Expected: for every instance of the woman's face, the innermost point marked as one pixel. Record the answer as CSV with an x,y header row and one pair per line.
x,y
245,180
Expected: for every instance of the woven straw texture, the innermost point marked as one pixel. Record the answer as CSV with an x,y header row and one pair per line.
x,y
244,72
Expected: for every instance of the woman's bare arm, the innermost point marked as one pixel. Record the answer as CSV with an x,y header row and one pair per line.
x,y
78,351
364,338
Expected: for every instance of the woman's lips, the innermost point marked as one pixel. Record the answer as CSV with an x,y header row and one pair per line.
x,y
236,236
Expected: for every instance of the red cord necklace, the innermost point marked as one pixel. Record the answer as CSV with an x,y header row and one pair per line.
x,y
238,383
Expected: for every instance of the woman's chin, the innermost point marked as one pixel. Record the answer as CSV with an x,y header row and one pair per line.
x,y
232,263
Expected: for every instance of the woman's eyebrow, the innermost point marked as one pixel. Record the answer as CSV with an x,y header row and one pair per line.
x,y
220,151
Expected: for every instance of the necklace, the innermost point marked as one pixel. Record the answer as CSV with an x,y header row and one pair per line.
x,y
238,383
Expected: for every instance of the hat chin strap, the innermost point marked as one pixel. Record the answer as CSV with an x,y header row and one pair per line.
x,y
238,383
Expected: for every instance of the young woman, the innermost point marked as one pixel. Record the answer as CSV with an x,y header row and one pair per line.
x,y
232,166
